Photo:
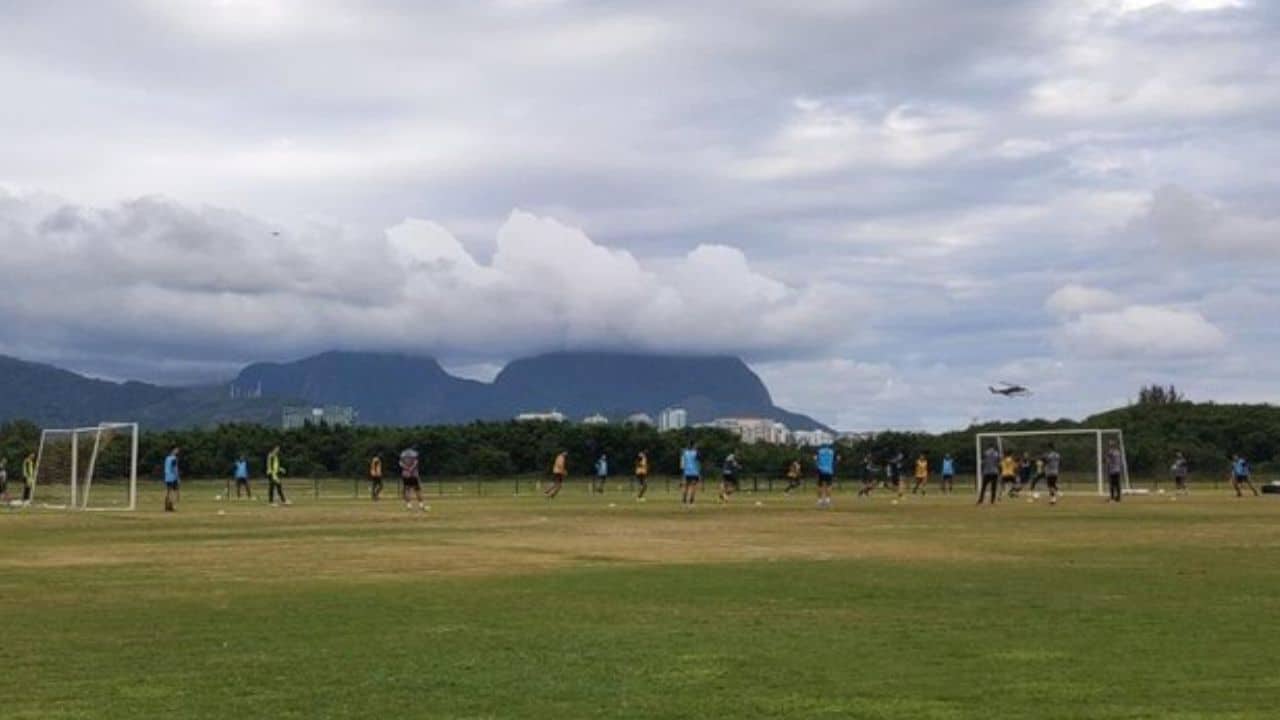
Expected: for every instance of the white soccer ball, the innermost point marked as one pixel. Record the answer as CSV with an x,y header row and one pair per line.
x,y
1160,491
895,502
759,504
218,497
1035,496
613,505
222,512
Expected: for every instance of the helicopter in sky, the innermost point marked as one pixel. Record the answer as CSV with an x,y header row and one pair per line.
x,y
1010,390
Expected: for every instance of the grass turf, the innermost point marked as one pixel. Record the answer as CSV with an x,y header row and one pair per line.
x,y
519,607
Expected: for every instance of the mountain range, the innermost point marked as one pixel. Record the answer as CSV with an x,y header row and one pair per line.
x,y
402,390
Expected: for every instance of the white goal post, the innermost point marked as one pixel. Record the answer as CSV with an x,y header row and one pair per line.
x,y
1100,437
88,468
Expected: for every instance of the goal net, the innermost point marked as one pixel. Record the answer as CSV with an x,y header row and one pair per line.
x,y
88,468
1082,453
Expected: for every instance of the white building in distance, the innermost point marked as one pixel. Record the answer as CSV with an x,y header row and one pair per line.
x,y
673,418
296,417
596,419
755,430
812,438
553,416
639,419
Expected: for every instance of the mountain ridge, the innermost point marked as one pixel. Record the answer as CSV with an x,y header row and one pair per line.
x,y
396,389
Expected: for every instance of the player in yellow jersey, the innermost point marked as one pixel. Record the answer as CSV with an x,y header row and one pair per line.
x,y
922,475
1009,475
642,475
28,477
375,478
558,470
275,471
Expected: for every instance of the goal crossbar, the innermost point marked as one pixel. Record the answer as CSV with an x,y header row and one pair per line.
x,y
982,438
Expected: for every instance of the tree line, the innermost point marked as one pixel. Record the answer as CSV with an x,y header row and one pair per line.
x,y
1207,433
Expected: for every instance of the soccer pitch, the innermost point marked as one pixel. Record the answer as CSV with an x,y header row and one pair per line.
x,y
497,607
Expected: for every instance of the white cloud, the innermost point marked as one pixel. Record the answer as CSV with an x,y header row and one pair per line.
x,y
215,279
1185,221
1073,299
1143,332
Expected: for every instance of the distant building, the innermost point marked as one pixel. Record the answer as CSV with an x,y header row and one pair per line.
x,y
596,419
300,416
755,430
639,419
853,437
812,438
673,418
553,416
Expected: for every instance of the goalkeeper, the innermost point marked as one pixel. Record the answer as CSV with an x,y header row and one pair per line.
x,y
274,472
172,477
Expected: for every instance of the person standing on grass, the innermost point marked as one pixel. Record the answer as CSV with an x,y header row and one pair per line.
x,y
411,475
1025,470
1039,474
275,471
1180,471
1114,463
990,474
869,472
793,477
1009,475
1241,474
922,475
1052,470
948,473
28,477
691,469
602,472
558,470
375,478
895,472
172,478
4,480
242,478
642,475
729,477
825,459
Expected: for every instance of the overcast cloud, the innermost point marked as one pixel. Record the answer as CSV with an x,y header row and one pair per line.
x,y
884,206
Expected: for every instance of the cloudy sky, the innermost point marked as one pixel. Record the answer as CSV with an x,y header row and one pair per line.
x,y
882,205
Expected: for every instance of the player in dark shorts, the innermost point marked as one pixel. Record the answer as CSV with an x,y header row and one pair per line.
x,y
948,473
642,474
1114,462
1241,475
869,473
558,470
1181,470
895,473
242,478
990,474
411,476
4,480
1040,473
691,468
729,477
1026,472
793,477
1052,469
375,478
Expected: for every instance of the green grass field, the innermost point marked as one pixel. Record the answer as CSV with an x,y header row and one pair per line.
x,y
506,607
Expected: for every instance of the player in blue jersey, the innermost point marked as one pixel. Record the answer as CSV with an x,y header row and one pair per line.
x,y
602,473
1241,475
948,473
172,478
825,459
691,469
242,477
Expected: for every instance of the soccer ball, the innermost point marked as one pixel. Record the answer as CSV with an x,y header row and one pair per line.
x,y
1035,496
1160,491
759,504
222,512
218,497
613,505
895,502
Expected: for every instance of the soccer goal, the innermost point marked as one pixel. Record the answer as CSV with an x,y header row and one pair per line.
x,y
1082,452
88,468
